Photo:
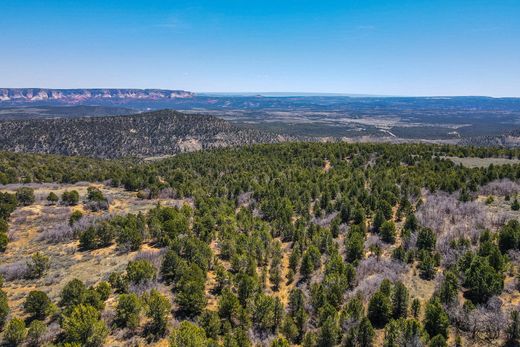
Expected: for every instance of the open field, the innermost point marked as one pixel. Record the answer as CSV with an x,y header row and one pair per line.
x,y
472,162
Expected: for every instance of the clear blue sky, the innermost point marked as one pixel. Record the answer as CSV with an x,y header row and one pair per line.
x,y
415,47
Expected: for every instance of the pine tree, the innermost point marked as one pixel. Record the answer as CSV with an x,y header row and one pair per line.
x,y
436,319
400,301
379,309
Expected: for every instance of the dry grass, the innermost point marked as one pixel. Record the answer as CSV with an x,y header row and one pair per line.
x,y
473,162
26,228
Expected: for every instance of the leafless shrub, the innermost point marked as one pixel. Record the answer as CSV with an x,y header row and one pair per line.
x,y
107,183
96,206
63,232
108,315
21,216
514,256
501,217
57,233
154,257
53,214
451,219
325,220
24,220
410,242
179,203
500,188
141,288
371,272
89,220
51,333
450,255
14,271
244,198
481,323
373,240
12,234
167,193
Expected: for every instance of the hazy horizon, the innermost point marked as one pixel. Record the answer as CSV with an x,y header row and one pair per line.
x,y
276,93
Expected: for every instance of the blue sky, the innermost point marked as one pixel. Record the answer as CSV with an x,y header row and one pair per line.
x,y
380,47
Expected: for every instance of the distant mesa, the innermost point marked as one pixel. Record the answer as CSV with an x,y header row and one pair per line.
x,y
74,96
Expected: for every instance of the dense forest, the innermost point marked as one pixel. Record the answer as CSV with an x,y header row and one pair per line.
x,y
293,244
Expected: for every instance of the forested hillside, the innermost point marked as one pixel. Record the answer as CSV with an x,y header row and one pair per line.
x,y
294,244
510,139
142,135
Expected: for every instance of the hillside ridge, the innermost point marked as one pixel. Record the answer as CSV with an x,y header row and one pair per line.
x,y
141,135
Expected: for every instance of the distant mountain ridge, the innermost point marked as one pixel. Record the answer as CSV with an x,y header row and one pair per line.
x,y
75,96
142,135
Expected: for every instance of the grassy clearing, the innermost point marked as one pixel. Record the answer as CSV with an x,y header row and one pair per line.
x,y
472,162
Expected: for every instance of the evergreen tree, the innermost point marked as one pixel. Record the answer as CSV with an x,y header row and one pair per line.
x,y
157,309
379,219
482,280
365,333
438,341
400,301
4,308
128,310
388,232
188,334
426,239
449,288
355,247
436,319
83,325
37,304
379,309
513,330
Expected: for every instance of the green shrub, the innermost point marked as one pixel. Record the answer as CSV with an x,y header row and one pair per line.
x,y
119,282
70,198
38,265
4,240
188,334
128,311
74,217
25,196
15,332
4,308
157,309
104,289
83,325
35,334
73,293
52,198
37,304
140,271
